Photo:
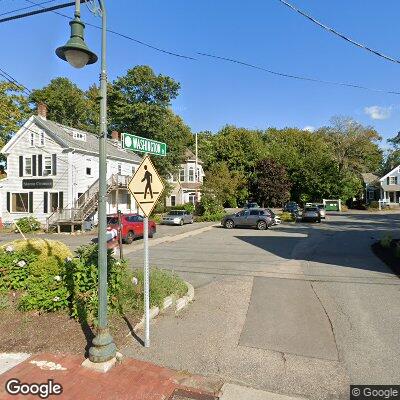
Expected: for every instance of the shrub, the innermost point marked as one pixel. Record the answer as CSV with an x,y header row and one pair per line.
x,y
211,217
287,217
162,284
29,224
373,205
187,207
36,267
386,241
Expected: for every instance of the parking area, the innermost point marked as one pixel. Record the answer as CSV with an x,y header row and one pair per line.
x,y
78,239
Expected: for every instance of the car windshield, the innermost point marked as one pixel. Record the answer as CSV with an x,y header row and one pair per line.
x,y
177,212
312,209
320,206
112,220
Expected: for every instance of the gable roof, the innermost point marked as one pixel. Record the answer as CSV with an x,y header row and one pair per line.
x,y
369,177
390,173
64,136
189,155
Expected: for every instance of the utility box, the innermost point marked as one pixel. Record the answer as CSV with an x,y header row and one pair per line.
x,y
332,205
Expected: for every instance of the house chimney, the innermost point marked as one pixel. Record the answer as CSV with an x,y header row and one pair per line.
x,y
42,110
115,135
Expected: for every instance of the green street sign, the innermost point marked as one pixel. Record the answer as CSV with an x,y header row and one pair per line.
x,y
137,143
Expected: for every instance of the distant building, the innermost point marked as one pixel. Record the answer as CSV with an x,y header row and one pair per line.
x,y
52,174
186,184
390,187
372,187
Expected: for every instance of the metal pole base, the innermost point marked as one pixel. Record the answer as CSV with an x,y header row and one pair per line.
x,y
103,348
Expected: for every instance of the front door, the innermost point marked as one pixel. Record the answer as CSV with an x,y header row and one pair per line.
x,y
391,197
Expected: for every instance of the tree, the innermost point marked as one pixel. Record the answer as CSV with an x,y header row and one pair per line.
x,y
66,103
222,184
240,148
270,184
14,110
139,103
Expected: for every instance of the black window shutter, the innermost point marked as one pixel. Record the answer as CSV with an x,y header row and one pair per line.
x,y
60,200
21,166
8,202
387,181
34,165
30,205
40,165
54,164
45,202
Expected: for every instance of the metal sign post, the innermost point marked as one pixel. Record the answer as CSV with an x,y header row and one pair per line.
x,y
146,187
146,282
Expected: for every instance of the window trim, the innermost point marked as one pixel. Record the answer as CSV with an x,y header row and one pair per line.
x,y
44,165
32,139
392,180
11,203
191,175
42,140
180,175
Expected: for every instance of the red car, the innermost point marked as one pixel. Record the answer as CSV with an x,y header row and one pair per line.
x,y
132,226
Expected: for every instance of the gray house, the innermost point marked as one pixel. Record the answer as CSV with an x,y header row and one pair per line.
x,y
390,187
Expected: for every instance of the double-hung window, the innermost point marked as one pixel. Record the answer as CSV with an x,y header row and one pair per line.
x,y
182,175
191,174
47,166
28,166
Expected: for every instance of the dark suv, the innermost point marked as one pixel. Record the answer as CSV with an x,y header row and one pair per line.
x,y
258,218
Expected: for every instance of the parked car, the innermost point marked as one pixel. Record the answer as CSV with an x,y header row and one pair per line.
x,y
322,211
291,207
178,217
311,214
251,205
276,219
255,217
131,226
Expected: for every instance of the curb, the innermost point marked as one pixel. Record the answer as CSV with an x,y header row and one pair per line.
x,y
169,301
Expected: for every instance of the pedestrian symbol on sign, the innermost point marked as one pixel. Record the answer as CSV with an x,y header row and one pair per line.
x,y
148,177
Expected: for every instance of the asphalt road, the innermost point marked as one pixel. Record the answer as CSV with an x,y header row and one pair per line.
x,y
301,309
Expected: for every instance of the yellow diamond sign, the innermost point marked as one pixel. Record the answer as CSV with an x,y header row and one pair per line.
x,y
146,186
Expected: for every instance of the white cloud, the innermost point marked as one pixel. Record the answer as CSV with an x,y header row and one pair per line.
x,y
377,112
309,128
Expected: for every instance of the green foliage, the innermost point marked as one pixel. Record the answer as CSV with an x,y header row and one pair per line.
x,y
286,217
43,248
28,224
66,104
162,284
386,241
190,207
269,184
211,217
4,301
14,110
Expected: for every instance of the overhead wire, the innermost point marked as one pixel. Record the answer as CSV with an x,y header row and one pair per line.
x,y
298,77
341,35
26,8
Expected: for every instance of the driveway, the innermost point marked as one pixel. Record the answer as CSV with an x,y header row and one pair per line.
x,y
301,309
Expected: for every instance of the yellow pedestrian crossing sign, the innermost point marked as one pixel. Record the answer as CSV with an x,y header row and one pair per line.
x,y
146,186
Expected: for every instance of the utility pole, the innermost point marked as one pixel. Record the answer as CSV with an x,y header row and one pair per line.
x,y
196,174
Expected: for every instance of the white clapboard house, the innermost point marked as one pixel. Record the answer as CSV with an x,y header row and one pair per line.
x,y
53,170
187,183
390,187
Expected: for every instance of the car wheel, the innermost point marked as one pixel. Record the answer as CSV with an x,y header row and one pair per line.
x,y
319,220
130,237
262,225
181,222
191,221
229,224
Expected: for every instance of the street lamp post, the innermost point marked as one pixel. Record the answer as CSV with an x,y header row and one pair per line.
x,y
78,55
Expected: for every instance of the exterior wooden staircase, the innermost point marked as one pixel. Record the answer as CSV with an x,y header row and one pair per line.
x,y
85,206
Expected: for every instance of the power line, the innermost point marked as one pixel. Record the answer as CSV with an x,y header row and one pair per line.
x,y
12,80
303,78
331,30
25,8
122,35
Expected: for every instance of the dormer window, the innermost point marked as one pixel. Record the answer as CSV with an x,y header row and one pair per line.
x,y
79,136
191,174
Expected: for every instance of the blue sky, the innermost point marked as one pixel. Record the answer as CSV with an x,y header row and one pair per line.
x,y
261,32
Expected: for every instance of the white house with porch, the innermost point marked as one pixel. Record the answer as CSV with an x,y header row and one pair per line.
x,y
52,174
390,187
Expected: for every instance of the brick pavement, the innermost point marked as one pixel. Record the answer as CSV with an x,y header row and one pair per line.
x,y
129,380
